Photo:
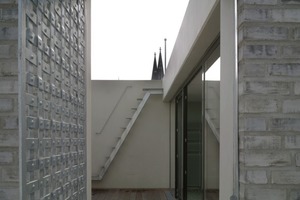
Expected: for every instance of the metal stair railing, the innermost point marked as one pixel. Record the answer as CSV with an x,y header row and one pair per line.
x,y
214,129
113,110
115,149
212,119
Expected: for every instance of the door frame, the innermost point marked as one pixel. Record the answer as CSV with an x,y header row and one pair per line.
x,y
183,97
200,68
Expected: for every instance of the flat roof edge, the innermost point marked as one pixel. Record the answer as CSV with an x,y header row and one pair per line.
x,y
191,45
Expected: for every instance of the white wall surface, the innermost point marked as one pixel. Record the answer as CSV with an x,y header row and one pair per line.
x,y
143,160
212,157
228,103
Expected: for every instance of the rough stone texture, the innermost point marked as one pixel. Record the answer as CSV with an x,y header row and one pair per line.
x,y
285,69
254,14
252,70
266,159
297,88
298,160
285,124
10,122
9,193
9,86
286,177
285,14
291,51
6,105
252,124
261,142
8,67
6,157
257,177
262,194
295,195
292,142
256,105
10,174
260,2
297,33
9,138
266,33
8,33
291,1
265,87
259,51
269,99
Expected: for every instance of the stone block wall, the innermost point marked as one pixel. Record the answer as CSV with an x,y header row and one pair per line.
x,y
9,142
269,99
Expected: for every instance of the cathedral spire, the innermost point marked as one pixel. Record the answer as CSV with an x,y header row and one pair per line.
x,y
154,70
160,67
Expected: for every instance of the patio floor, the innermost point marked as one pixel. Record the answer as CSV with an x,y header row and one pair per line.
x,y
123,194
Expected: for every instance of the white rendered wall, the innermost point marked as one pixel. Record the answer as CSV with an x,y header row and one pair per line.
x,y
143,160
200,27
212,157
228,103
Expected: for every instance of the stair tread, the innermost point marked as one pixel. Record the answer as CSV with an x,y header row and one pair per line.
x,y
132,119
145,89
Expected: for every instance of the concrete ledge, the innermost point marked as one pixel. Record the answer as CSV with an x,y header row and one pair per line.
x,y
199,29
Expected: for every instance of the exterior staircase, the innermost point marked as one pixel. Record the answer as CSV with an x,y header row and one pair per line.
x,y
116,147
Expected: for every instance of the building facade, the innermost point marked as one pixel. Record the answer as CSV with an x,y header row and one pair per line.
x,y
235,134
232,85
44,95
9,160
258,97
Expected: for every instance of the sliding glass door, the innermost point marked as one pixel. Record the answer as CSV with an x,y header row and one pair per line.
x,y
180,146
194,153
189,139
212,125
197,133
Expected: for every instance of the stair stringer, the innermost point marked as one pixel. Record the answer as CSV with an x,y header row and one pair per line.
x,y
124,134
213,126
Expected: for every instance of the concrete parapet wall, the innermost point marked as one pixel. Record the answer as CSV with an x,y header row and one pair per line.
x,y
143,161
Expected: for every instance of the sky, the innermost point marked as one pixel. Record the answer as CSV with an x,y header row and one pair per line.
x,y
213,73
127,33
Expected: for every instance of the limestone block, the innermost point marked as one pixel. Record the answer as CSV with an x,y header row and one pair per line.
x,y
262,142
286,177
6,157
252,124
260,194
267,87
258,105
257,177
292,142
285,124
266,159
6,104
